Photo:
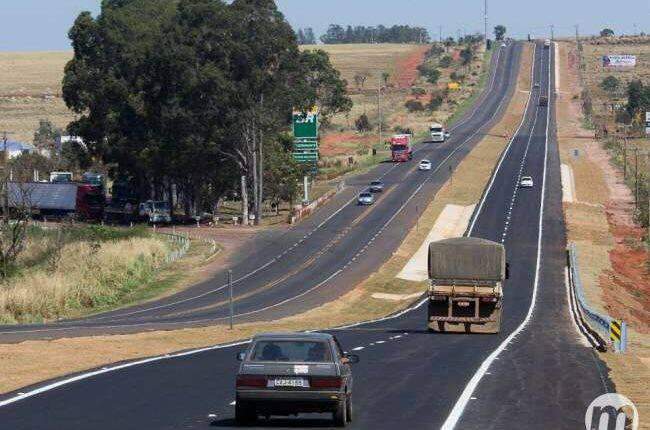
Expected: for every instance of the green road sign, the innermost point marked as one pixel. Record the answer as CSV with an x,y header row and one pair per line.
x,y
305,134
305,124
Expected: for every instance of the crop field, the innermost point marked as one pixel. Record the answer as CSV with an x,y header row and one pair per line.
x,y
30,90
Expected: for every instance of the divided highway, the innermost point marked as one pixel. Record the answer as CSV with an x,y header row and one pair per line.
x,y
536,374
324,256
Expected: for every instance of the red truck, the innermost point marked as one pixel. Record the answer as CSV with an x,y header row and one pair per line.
x,y
401,148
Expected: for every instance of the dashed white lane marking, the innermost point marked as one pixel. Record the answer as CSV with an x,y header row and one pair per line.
x,y
358,348
233,403
504,154
380,341
468,391
518,180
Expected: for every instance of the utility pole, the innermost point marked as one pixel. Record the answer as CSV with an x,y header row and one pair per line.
x,y
636,177
230,299
379,112
552,32
440,33
485,16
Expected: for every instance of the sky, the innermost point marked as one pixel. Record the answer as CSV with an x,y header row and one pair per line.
x,y
42,25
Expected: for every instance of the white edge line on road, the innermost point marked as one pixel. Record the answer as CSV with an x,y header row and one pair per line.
x,y
507,150
584,337
461,403
103,370
87,375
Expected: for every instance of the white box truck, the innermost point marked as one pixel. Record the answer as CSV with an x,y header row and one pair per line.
x,y
438,132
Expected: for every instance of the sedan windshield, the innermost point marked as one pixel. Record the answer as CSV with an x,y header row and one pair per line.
x,y
291,351
365,195
375,183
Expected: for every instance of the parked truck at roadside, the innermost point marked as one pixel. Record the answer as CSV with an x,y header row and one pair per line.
x,y
466,289
401,148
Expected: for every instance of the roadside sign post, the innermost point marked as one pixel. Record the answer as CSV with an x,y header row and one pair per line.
x,y
305,137
232,311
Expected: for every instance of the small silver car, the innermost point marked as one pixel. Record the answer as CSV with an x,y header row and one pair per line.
x,y
376,187
366,199
292,373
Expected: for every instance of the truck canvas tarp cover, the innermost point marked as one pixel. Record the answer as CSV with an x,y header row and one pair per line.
x,y
467,259
43,196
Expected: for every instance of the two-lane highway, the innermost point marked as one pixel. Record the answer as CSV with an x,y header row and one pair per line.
x,y
535,374
326,255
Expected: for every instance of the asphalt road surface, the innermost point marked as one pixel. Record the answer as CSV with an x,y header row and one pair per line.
x,y
536,374
323,257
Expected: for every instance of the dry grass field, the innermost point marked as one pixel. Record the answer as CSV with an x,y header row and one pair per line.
x,y
611,257
30,90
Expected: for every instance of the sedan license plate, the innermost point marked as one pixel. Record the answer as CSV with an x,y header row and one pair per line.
x,y
289,382
463,304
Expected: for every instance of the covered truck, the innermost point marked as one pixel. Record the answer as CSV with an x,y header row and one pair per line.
x,y
466,288
401,148
58,200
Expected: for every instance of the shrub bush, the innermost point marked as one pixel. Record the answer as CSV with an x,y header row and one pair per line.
x,y
414,106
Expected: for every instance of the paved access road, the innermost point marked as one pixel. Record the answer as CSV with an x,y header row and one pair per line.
x,y
536,374
326,255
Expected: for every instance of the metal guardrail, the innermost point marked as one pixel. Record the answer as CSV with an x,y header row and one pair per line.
x,y
609,331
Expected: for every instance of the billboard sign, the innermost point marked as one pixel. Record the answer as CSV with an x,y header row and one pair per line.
x,y
647,123
619,60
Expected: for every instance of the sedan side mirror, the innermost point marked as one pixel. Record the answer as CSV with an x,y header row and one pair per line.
x,y
241,356
351,358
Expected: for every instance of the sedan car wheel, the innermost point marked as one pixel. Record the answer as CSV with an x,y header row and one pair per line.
x,y
244,412
348,410
341,413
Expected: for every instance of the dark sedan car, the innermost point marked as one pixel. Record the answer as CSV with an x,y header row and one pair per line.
x,y
288,374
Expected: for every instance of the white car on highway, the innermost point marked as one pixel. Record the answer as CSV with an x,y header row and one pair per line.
x,y
526,182
424,165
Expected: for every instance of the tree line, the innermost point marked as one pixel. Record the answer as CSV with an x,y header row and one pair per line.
x,y
337,34
193,98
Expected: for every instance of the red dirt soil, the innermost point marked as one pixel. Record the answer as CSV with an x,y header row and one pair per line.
x,y
626,288
330,144
407,69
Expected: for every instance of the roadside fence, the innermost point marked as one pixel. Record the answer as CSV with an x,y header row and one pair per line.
x,y
181,246
605,330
